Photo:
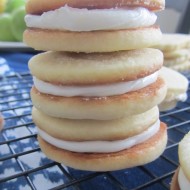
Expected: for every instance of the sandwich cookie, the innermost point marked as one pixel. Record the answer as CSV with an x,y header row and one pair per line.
x,y
177,86
182,67
93,130
97,82
107,155
103,27
112,107
181,179
177,59
181,53
173,42
176,49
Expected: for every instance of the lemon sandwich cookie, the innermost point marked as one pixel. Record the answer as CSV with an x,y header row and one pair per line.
x,y
92,26
181,179
102,145
106,155
177,57
176,49
177,86
170,43
78,86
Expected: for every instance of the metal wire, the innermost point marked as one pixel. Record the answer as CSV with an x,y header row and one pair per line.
x,y
19,140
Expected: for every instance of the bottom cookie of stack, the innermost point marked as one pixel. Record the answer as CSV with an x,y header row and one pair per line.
x,y
102,145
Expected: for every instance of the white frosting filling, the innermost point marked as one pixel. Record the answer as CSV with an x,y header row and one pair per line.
x,y
74,19
182,97
184,183
101,146
96,90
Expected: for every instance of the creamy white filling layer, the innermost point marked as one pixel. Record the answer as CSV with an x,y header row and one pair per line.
x,y
96,90
74,19
184,183
182,97
101,146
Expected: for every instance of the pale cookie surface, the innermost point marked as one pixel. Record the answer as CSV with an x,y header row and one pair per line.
x,y
173,42
184,155
182,67
137,155
40,6
82,69
112,107
77,130
177,54
176,83
89,42
166,106
176,61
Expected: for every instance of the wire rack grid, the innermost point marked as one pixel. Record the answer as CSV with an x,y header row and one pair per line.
x,y
24,166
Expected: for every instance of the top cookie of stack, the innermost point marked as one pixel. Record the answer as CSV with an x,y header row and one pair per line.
x,y
92,25
97,111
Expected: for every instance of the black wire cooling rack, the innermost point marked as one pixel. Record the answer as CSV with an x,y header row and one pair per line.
x,y
24,166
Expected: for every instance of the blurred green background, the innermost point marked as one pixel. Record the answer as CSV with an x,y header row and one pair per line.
x,y
12,23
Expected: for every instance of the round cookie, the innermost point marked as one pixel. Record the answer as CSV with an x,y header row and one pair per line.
x,y
181,178
91,130
40,6
176,58
177,86
137,155
173,42
89,42
182,67
166,106
176,62
184,155
178,53
82,69
111,107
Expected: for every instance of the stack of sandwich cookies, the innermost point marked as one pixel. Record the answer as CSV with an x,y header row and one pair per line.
x,y
98,114
97,111
176,49
177,86
181,179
